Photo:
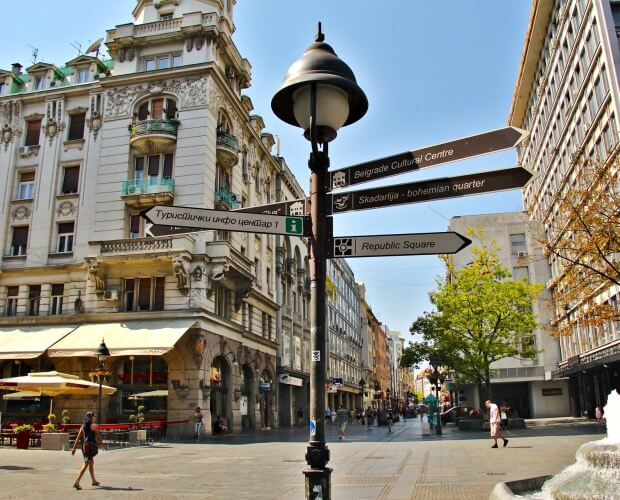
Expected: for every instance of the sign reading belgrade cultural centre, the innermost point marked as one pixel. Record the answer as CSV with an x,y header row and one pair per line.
x,y
458,149
202,218
436,189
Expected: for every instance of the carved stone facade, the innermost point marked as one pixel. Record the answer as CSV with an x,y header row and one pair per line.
x,y
191,92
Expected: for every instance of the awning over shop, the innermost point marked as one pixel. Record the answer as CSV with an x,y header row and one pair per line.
x,y
30,342
138,338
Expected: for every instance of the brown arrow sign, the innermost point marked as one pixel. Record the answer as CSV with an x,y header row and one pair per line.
x,y
293,208
396,244
436,189
409,161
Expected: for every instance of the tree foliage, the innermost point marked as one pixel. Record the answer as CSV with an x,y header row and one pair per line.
x,y
584,241
480,316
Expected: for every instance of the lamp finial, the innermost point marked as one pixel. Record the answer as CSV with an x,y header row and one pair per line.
x,y
320,37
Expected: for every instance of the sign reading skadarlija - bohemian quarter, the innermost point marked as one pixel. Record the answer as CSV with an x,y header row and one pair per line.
x,y
402,163
436,189
202,219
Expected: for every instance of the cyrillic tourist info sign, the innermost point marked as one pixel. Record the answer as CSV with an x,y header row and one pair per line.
x,y
202,218
291,208
397,244
458,149
436,189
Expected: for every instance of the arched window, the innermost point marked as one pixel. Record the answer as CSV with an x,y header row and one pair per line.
x,y
157,108
223,123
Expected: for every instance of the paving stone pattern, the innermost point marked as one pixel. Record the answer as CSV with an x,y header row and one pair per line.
x,y
369,464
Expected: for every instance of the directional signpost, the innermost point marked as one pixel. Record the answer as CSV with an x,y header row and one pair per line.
x,y
436,189
297,208
402,163
202,219
397,244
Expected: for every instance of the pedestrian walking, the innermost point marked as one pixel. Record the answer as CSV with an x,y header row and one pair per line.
x,y
300,417
328,414
598,413
503,413
341,420
198,423
390,419
495,421
90,439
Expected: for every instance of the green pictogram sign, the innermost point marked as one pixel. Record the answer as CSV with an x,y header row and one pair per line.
x,y
294,225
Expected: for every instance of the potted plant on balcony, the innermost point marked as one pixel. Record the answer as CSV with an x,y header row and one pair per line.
x,y
23,436
52,438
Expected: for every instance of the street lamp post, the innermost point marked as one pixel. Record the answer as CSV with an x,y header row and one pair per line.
x,y
102,353
362,384
319,94
437,379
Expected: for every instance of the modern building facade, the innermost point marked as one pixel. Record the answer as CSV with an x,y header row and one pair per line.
x,y
345,337
86,147
567,96
526,384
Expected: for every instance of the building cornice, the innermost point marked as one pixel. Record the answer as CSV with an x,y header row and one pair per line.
x,y
540,17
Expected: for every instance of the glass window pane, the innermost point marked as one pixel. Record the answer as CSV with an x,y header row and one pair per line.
x,y
150,64
176,60
163,62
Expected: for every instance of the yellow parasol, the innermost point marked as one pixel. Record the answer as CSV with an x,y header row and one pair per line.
x,y
54,384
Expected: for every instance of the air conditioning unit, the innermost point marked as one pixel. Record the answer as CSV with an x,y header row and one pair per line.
x,y
24,150
521,254
111,295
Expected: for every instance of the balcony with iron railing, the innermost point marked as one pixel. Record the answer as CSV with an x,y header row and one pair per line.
x,y
153,136
226,200
147,192
227,149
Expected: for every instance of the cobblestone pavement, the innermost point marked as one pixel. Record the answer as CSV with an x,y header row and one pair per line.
x,y
369,464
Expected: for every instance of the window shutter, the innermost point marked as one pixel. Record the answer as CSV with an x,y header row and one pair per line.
x,y
33,131
70,180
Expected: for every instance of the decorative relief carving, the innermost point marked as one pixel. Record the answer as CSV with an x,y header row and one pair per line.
x,y
217,101
191,92
65,209
131,52
95,275
181,272
10,116
199,42
21,213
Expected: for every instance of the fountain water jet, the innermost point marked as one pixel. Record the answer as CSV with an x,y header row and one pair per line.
x,y
595,475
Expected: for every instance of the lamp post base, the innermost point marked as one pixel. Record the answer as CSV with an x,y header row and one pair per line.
x,y
318,484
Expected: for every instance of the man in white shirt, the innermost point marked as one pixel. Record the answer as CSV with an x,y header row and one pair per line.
x,y
495,421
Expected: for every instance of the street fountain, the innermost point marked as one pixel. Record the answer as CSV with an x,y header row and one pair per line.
x,y
595,475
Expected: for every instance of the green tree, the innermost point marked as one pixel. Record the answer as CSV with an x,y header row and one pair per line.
x,y
481,316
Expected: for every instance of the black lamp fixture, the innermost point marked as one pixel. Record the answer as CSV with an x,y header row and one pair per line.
x,y
319,94
102,354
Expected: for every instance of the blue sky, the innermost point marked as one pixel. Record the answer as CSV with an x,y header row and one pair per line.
x,y
432,71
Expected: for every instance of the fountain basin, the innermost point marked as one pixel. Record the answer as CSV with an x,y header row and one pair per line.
x,y
517,489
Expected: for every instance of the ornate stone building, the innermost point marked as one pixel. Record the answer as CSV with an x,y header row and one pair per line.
x,y
85,148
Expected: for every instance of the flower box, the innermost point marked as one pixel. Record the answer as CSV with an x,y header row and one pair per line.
x,y
55,441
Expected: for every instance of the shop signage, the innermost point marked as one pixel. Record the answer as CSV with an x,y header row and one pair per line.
x,y
285,378
243,405
264,387
337,380
402,163
332,389
552,391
